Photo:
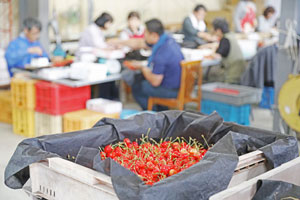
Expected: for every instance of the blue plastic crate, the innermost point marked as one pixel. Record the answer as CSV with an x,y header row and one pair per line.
x,y
267,99
230,113
126,113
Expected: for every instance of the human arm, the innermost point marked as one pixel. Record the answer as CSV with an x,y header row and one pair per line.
x,y
213,46
154,79
133,43
16,53
207,36
188,28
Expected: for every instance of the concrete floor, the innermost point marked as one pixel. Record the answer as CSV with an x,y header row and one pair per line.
x,y
262,119
8,144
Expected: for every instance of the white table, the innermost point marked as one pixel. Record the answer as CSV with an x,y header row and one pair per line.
x,y
70,82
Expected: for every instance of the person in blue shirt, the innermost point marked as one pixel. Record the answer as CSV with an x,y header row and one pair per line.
x,y
25,47
163,73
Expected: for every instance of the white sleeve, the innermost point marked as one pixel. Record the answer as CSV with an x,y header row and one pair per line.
x,y
237,17
124,35
98,39
92,37
260,24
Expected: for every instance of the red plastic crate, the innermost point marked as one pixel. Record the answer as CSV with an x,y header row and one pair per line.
x,y
56,99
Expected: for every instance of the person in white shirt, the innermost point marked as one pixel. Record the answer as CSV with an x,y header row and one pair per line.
x,y
135,29
194,28
276,4
94,38
93,35
265,21
133,33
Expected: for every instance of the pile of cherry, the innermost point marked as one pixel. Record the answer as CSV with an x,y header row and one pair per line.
x,y
153,161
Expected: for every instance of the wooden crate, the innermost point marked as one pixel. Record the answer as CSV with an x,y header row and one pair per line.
x,y
47,124
51,179
23,93
5,106
84,119
287,172
23,122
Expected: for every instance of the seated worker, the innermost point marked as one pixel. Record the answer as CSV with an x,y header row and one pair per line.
x,y
24,48
265,21
245,17
163,73
231,54
194,28
93,35
135,29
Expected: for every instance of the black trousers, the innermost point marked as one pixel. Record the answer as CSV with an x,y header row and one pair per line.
x,y
107,90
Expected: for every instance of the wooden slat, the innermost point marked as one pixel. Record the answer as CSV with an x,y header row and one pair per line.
x,y
287,172
79,172
250,159
66,174
50,184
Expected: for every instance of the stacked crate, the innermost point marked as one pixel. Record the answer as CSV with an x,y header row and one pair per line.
x,y
47,124
232,102
23,104
96,109
52,101
84,119
5,106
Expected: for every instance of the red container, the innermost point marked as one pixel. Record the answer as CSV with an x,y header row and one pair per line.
x,y
56,99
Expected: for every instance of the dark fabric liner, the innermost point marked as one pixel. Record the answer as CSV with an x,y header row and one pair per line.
x,y
211,175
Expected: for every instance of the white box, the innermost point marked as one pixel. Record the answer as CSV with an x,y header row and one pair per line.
x,y
4,75
104,106
88,71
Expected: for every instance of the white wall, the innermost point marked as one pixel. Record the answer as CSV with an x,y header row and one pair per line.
x,y
169,11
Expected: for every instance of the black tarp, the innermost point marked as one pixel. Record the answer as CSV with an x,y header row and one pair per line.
x,y
211,175
270,190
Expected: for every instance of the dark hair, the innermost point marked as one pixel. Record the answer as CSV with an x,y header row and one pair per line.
x,y
221,23
29,23
133,14
155,26
199,7
268,10
103,18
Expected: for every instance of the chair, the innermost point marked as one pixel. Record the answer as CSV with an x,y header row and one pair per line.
x,y
190,70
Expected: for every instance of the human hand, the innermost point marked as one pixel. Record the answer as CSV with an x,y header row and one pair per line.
x,y
214,38
213,56
208,37
57,59
35,50
115,43
213,46
133,65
